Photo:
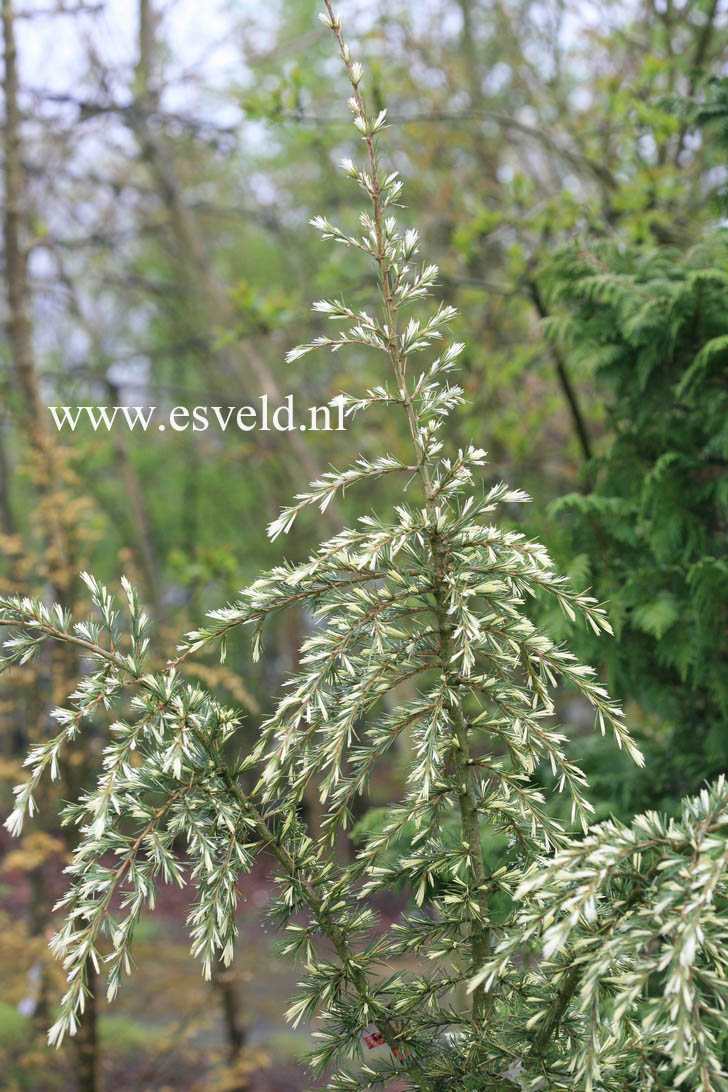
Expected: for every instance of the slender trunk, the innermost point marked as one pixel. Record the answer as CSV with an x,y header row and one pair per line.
x,y
292,636
327,921
6,511
702,47
564,380
86,1040
199,279
225,983
141,529
145,544
468,46
480,940
38,926
47,462
191,525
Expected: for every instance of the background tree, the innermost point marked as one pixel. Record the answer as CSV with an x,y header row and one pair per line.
x,y
58,513
652,531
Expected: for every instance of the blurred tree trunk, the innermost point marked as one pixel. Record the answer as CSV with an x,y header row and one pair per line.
x,y
191,525
6,511
146,546
140,528
19,324
199,280
564,379
48,467
197,274
225,983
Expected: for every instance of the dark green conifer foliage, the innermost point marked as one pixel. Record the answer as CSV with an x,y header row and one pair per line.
x,y
653,328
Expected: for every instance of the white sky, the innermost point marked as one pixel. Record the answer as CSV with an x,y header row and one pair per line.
x,y
198,33
52,47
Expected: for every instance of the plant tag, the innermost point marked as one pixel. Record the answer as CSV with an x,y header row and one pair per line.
x,y
372,1037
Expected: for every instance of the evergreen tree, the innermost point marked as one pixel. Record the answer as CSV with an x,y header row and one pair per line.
x,y
653,328
420,628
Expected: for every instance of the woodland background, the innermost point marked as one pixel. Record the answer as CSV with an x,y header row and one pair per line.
x,y
565,163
